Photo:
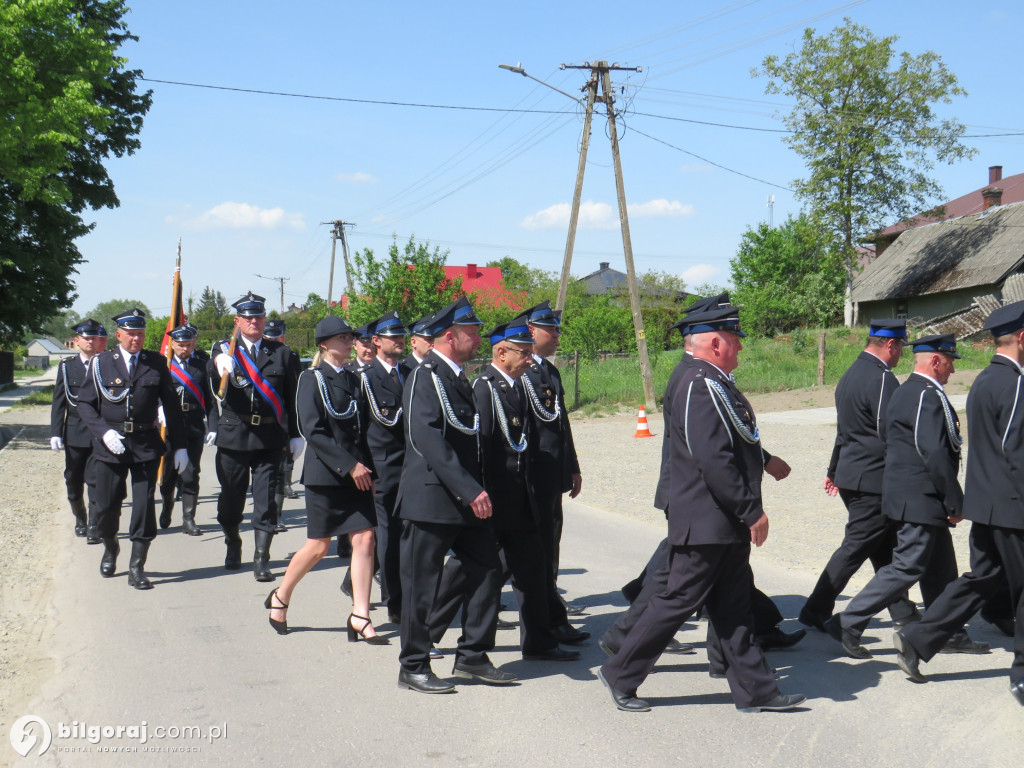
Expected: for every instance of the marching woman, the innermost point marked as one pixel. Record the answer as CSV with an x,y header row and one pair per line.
x,y
337,474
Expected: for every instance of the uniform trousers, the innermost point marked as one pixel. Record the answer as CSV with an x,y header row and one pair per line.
x,y
521,557
190,476
997,554
423,548
653,581
79,473
923,553
110,484
233,471
717,576
549,514
389,541
869,535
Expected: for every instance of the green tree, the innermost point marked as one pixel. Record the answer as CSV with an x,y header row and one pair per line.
x,y
105,311
864,123
788,276
410,280
67,103
211,308
523,279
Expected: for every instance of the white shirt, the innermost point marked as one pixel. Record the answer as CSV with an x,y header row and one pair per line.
x,y
454,366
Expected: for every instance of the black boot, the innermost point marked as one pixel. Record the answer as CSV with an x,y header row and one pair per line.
x,y
289,492
165,513
188,515
136,576
92,533
78,509
280,527
108,563
233,558
261,557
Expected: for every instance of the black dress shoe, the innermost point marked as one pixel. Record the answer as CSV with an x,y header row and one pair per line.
x,y
776,638
92,535
575,609
569,635
962,643
683,649
485,673
907,658
899,624
502,624
849,641
553,654
779,703
434,653
424,682
80,529
809,619
1017,689
624,701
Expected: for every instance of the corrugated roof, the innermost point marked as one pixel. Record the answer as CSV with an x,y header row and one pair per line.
x,y
970,251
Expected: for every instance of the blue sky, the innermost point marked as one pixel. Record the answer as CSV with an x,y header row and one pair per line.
x,y
245,180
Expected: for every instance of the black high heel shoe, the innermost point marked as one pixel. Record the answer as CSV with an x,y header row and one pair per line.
x,y
354,635
280,626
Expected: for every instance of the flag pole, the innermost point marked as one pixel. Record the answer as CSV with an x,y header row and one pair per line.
x,y
175,311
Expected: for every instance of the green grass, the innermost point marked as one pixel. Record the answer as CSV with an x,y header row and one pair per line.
x,y
42,396
766,365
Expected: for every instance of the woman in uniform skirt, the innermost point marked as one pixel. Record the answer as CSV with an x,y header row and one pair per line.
x,y
338,476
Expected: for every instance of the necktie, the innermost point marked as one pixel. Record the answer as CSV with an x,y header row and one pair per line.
x,y
131,366
463,379
396,375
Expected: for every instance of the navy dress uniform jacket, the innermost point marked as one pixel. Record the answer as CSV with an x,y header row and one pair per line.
x,y
862,396
922,456
994,487
554,452
386,441
241,402
715,473
150,386
441,474
65,422
506,471
333,445
196,420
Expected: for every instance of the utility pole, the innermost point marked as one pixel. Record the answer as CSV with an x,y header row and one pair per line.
x,y
338,233
771,211
282,281
600,73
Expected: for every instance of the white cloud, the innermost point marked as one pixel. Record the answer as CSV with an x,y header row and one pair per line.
x,y
696,168
359,177
245,216
661,208
700,273
602,215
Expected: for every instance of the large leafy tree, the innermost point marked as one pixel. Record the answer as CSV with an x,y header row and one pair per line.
x,y
788,276
864,121
211,308
67,103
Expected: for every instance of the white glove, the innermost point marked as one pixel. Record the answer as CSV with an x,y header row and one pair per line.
x,y
224,364
160,416
112,439
295,445
56,444
180,460
211,438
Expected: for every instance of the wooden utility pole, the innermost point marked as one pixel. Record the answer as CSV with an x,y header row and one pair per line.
x,y
574,214
338,233
282,281
601,70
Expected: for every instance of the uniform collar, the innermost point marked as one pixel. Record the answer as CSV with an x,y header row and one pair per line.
x,y
926,376
505,376
388,367
1013,362
451,363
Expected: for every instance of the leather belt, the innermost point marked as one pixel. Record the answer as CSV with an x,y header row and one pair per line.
x,y
252,419
186,407
130,427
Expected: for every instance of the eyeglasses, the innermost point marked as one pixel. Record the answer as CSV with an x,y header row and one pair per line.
x,y
520,352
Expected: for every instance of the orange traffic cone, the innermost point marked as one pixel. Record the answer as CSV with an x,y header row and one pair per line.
x,y
641,424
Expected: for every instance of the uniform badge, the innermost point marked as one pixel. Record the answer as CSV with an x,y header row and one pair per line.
x,y
118,382
384,411
548,404
515,421
548,391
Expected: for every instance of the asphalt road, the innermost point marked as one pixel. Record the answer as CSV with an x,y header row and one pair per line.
x,y
197,651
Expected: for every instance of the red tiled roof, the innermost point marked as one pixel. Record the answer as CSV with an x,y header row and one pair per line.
x,y
486,283
972,202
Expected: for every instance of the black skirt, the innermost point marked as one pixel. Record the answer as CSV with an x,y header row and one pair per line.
x,y
332,511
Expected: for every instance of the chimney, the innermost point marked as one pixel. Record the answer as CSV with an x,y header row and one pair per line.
x,y
993,197
995,174
471,271
604,265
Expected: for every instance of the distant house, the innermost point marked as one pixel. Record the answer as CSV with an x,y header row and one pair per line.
x,y
487,283
607,280
41,352
948,276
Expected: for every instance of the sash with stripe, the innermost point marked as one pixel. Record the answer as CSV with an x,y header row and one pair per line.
x,y
186,380
264,387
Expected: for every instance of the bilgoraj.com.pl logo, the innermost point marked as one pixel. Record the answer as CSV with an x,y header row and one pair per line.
x,y
31,732
28,731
